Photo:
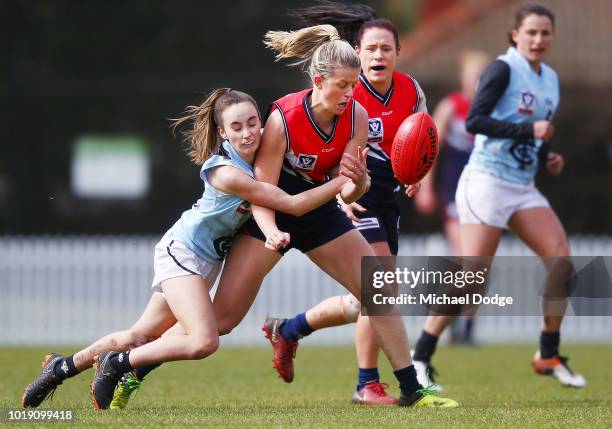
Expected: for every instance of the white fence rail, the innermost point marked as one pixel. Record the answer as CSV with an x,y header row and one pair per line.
x,y
71,290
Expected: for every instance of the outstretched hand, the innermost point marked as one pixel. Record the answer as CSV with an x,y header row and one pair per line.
x,y
356,168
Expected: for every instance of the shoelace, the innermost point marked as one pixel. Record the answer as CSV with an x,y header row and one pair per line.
x,y
564,360
428,391
275,330
379,388
49,395
131,383
432,373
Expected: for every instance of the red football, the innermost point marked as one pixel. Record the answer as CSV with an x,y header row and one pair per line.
x,y
415,148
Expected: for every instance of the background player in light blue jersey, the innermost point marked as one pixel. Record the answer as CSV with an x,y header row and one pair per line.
x,y
179,322
516,99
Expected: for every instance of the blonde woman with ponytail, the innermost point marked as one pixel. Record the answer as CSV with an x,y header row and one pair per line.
x,y
303,141
223,139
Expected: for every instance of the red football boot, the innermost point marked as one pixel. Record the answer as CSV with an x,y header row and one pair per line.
x,y
374,393
284,350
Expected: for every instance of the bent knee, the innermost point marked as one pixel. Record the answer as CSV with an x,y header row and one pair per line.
x,y
350,307
203,347
226,325
138,338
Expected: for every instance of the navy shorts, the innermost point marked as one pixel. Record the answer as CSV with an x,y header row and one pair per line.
x,y
310,230
380,223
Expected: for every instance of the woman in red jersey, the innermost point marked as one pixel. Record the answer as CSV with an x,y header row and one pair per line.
x,y
300,139
389,97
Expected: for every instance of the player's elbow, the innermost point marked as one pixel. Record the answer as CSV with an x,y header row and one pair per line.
x,y
471,124
296,207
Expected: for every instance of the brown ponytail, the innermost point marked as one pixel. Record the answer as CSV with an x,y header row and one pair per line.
x,y
203,137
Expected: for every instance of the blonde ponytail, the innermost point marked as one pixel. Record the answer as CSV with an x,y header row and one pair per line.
x,y
318,47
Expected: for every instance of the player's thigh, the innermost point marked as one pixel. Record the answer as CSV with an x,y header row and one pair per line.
x,y
381,248
341,259
541,230
188,298
246,265
478,239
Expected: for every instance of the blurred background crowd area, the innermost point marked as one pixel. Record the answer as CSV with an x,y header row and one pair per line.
x,y
88,88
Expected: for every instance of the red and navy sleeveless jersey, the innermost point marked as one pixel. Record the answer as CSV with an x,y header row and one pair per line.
x,y
311,153
386,113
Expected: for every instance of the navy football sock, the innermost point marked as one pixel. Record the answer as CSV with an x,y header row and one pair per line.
x,y
65,368
549,344
296,328
142,371
407,380
121,362
367,375
425,347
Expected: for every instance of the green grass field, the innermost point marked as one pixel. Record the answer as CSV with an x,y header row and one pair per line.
x,y
238,387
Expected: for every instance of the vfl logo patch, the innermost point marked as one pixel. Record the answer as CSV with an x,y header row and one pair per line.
x,y
376,131
306,162
526,104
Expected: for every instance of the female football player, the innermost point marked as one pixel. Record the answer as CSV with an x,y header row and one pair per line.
x,y
302,138
224,139
388,97
511,116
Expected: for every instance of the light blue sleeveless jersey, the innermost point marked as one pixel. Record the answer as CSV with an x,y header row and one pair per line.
x,y
529,97
208,228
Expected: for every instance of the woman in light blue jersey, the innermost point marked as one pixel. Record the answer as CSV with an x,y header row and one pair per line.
x,y
511,116
224,139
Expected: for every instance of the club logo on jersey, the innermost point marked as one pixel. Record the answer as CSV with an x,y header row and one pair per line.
x,y
523,152
222,246
306,162
526,104
244,208
376,131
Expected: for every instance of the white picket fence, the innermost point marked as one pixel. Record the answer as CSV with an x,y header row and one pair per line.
x,y
72,290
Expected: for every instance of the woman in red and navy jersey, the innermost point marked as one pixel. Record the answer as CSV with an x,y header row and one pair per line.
x,y
301,140
389,97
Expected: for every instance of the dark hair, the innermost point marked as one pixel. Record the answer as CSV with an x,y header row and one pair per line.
x,y
524,11
351,19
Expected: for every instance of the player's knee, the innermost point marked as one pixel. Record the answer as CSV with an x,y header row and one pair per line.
x,y
203,346
226,325
350,307
138,338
